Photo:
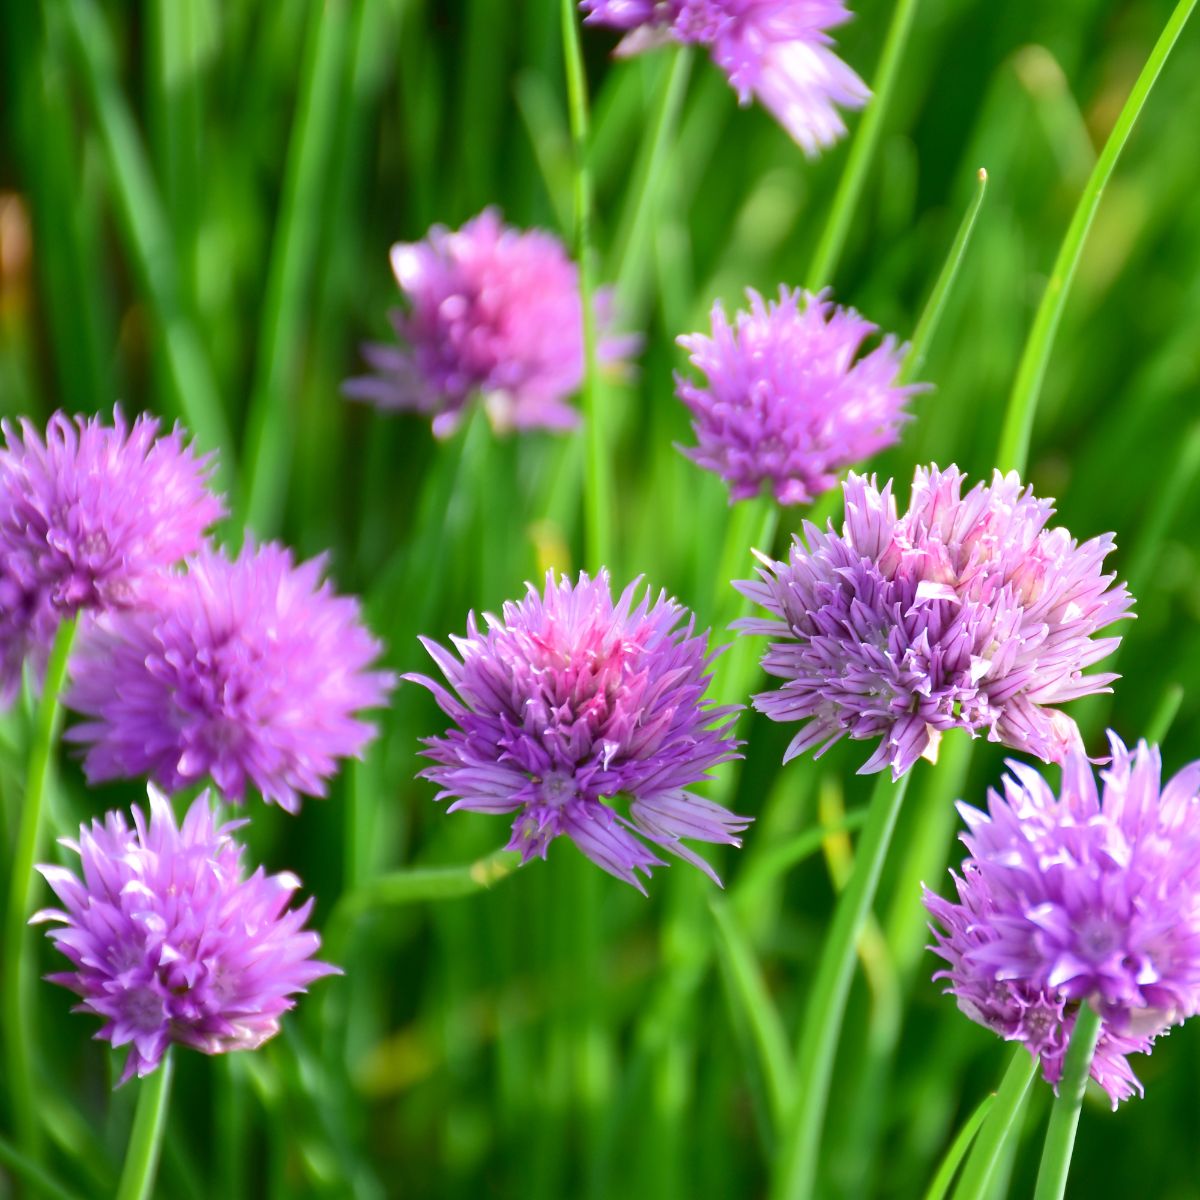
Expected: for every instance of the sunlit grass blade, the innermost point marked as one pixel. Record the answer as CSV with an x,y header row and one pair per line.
x,y
1164,715
862,150
148,238
949,1165
1064,1115
269,436
999,1128
796,1168
149,1126
1022,403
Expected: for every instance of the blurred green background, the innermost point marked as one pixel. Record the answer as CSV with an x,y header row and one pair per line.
x,y
196,204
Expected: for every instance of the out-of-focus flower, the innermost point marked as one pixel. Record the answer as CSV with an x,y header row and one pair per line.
x,y
90,516
493,311
1086,897
569,701
786,404
777,51
965,612
170,942
248,671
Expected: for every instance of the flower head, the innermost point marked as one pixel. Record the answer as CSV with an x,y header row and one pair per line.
x,y
248,671
170,942
490,310
786,404
567,701
965,612
1087,897
89,518
777,51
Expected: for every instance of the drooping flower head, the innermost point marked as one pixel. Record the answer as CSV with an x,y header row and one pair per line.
x,y
249,671
776,51
490,310
568,701
1091,896
965,612
90,515
786,404
170,941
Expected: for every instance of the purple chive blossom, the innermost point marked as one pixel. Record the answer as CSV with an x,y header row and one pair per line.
x,y
90,515
568,701
786,404
248,672
1088,897
493,311
170,942
965,612
776,51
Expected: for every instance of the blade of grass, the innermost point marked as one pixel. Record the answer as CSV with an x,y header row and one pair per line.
x,y
940,1184
1022,403
42,1183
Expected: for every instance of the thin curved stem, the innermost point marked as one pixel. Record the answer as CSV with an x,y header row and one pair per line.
x,y
19,1011
149,1125
958,1150
1022,404
1064,1116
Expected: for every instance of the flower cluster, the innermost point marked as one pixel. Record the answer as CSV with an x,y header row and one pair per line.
x,y
568,701
787,403
90,517
171,942
778,51
493,311
964,612
248,671
1088,897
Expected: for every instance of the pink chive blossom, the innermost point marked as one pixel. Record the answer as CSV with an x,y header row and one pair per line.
x,y
788,402
170,941
778,52
567,701
249,671
1090,896
491,311
90,516
964,612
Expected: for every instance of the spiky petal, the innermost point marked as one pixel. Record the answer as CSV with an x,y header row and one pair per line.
x,y
565,702
965,612
1089,896
250,672
169,940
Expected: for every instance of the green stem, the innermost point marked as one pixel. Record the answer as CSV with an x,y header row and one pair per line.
x,y
827,1001
1022,404
862,150
1000,1126
269,422
931,315
20,1013
1064,1116
149,1125
940,1184
597,496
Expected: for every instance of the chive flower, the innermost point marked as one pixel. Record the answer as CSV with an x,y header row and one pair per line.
x,y
965,612
170,941
567,702
788,402
249,671
776,51
1090,896
90,516
491,311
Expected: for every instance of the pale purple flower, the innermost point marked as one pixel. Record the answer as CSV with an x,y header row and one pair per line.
x,y
787,403
776,51
250,672
90,515
1086,897
171,942
965,612
568,701
491,311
